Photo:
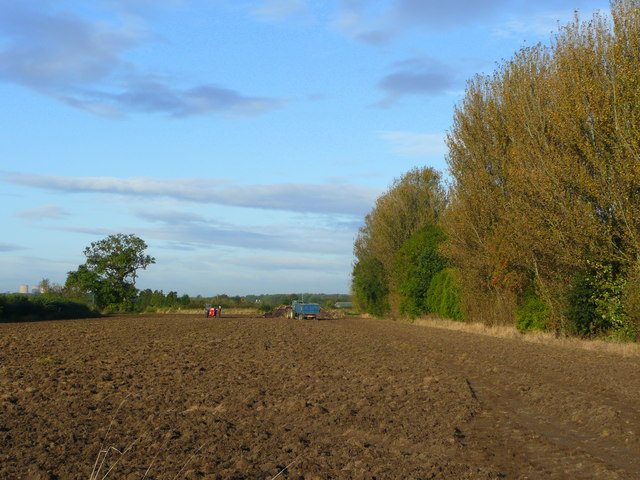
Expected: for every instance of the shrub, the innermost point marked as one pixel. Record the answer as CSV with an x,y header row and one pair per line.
x,y
444,295
16,308
631,301
265,307
596,303
369,287
417,261
533,313
581,309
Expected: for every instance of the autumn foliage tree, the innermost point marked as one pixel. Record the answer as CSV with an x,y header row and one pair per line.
x,y
545,160
413,201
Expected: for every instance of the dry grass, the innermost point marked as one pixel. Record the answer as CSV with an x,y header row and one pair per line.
x,y
619,348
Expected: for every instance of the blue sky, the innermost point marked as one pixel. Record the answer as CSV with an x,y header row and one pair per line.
x,y
243,140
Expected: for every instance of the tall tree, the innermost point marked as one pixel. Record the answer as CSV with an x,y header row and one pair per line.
x,y
544,156
414,200
110,270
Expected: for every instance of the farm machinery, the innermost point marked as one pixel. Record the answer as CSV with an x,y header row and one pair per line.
x,y
303,310
211,311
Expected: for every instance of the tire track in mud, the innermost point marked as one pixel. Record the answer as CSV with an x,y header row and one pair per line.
x,y
541,421
545,446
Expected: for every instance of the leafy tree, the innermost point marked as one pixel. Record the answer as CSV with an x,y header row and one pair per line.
x,y
444,297
369,286
417,262
171,300
84,285
110,271
544,156
47,287
144,299
184,301
157,299
413,201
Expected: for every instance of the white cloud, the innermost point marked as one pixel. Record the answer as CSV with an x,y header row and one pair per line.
x,y
416,76
40,213
185,231
380,22
9,247
278,10
188,231
542,24
293,197
275,263
145,96
415,143
80,62
46,50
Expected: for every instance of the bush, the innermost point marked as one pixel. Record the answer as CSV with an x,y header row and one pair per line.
x,y
265,307
444,295
596,302
369,287
631,300
533,313
417,261
581,310
19,308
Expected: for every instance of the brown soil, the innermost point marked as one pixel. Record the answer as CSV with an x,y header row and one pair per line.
x,y
183,396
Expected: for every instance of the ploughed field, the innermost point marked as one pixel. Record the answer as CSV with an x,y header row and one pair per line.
x,y
184,396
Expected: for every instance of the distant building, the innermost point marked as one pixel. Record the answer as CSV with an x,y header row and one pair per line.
x,y
24,289
35,289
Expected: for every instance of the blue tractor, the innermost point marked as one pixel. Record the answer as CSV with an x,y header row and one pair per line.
x,y
303,310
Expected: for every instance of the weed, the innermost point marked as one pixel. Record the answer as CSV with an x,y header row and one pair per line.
x,y
48,361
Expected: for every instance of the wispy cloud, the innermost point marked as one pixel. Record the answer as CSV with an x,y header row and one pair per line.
x,y
415,143
185,231
416,76
141,6
542,24
80,62
308,198
94,231
153,96
279,10
275,263
9,247
46,50
41,213
379,22
202,231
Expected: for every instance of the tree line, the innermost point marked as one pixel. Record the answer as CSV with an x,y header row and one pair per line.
x,y
105,283
540,225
